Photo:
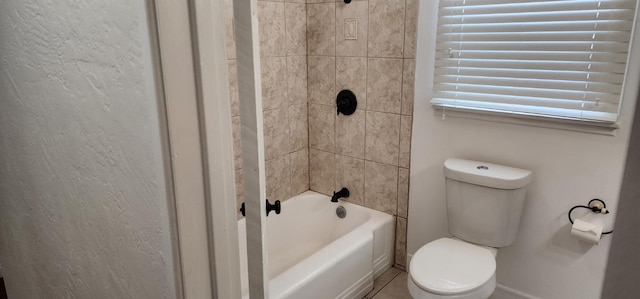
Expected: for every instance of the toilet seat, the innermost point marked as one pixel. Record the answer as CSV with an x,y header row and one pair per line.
x,y
450,267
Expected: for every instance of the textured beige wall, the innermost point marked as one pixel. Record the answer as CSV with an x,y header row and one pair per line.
x,y
83,204
368,151
283,62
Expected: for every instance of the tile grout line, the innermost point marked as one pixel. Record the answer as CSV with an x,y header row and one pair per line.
x,y
364,110
306,36
386,284
287,69
366,107
335,87
364,159
404,37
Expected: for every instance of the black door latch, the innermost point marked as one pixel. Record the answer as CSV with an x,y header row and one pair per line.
x,y
269,207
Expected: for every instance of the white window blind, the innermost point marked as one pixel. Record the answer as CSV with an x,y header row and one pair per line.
x,y
546,58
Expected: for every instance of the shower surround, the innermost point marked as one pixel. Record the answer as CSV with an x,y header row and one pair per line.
x,y
306,60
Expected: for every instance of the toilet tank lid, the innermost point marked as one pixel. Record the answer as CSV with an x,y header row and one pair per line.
x,y
486,174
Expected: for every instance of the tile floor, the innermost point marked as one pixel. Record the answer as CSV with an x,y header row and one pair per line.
x,y
392,284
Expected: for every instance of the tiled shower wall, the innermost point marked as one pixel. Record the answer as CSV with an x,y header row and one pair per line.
x,y
283,62
306,59
368,151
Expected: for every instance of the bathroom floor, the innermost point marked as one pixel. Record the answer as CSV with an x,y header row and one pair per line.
x,y
392,284
3,292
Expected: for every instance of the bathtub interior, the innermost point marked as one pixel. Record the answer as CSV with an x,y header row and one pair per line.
x,y
311,224
308,223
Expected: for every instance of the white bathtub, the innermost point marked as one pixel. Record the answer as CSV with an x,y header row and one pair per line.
x,y
314,254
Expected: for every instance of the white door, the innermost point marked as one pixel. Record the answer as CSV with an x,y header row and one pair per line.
x,y
195,78
249,88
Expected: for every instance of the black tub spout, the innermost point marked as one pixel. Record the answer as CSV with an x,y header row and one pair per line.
x,y
344,192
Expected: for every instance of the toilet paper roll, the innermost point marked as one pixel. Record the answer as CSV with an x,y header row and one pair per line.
x,y
586,232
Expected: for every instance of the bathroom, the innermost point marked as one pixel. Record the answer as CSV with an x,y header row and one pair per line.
x,y
389,153
375,141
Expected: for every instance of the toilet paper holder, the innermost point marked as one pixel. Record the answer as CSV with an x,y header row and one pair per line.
x,y
595,205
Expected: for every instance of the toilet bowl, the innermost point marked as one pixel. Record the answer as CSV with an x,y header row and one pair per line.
x,y
451,268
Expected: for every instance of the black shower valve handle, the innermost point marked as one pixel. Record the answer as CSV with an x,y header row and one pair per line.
x,y
346,102
340,103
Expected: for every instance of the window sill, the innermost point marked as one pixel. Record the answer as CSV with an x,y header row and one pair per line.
x,y
531,121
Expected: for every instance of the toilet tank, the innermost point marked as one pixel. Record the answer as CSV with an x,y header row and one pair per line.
x,y
484,201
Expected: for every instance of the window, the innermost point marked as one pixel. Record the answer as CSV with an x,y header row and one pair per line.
x,y
552,59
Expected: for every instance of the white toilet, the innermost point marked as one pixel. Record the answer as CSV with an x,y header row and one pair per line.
x,y
484,205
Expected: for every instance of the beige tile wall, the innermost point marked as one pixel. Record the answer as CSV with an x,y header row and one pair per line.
x,y
368,151
305,61
283,53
